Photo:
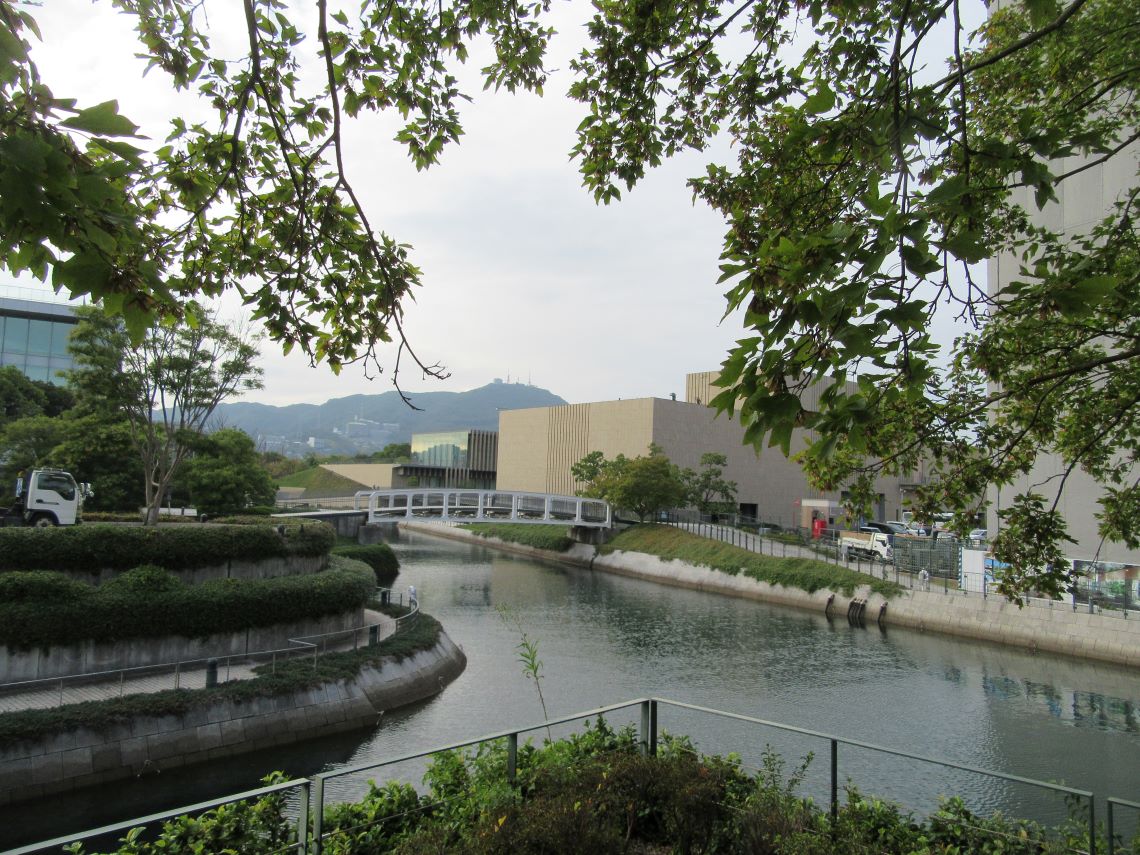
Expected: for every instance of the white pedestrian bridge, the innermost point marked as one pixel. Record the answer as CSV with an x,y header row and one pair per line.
x,y
483,506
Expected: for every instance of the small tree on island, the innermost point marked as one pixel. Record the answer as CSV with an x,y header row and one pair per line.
x,y
166,388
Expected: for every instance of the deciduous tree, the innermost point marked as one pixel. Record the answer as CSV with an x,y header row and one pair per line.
x,y
708,490
166,388
644,485
224,473
869,177
255,199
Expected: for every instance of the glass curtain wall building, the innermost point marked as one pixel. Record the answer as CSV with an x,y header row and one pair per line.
x,y
458,458
33,337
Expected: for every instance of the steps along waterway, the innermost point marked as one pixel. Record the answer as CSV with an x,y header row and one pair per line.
x,y
603,639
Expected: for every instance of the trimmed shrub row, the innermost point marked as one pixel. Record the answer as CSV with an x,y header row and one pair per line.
x,y
378,556
287,678
550,537
120,547
42,609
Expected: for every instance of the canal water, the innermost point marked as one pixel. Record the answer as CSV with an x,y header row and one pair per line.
x,y
603,639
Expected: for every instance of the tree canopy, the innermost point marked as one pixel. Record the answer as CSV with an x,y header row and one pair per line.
x,y
256,200
224,474
878,153
165,389
870,177
649,484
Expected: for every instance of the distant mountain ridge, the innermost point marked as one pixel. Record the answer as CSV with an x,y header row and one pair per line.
x,y
364,423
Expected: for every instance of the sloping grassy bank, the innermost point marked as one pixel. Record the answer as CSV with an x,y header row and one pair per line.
x,y
553,538
807,574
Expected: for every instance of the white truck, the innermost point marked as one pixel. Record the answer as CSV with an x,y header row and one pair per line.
x,y
867,544
46,497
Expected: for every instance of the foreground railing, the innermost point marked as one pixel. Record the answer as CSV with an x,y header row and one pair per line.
x,y
311,792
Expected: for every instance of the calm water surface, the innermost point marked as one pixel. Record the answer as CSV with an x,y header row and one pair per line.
x,y
604,639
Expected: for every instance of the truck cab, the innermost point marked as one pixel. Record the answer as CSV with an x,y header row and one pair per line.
x,y
49,497
869,543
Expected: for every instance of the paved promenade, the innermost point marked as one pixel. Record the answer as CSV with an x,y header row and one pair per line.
x,y
54,692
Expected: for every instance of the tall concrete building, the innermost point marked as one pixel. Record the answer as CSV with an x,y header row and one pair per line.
x,y
538,447
1082,201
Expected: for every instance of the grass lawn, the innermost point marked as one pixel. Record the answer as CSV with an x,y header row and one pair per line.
x,y
322,480
807,574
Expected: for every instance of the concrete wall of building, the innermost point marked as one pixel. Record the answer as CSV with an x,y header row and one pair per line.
x,y
1082,201
143,745
539,446
374,476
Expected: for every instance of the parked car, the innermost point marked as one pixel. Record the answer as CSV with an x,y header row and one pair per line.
x,y
885,528
979,534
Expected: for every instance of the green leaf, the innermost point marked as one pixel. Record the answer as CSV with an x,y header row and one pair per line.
x,y
948,190
919,261
967,246
820,101
104,120
1042,12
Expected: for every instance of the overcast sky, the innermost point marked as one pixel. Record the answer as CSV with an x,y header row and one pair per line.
x,y
523,275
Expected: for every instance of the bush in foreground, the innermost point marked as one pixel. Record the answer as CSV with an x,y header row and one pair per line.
x,y
596,793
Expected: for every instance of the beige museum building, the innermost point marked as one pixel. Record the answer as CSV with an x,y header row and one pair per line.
x,y
538,446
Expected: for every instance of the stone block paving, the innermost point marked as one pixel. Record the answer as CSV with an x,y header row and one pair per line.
x,y
46,694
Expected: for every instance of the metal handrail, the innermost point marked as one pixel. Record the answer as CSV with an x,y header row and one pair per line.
x,y
304,784
301,644
310,821
1114,802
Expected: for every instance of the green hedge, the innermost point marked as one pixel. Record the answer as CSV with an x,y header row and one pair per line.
x,y
183,547
41,608
288,677
378,556
550,537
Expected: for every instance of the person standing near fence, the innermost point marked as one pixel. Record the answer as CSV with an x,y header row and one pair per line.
x,y
924,579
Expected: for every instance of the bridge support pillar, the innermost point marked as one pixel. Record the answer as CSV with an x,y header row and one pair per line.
x,y
378,532
588,534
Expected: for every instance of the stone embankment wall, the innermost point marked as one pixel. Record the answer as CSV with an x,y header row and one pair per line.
x,y
1103,637
264,568
90,656
33,769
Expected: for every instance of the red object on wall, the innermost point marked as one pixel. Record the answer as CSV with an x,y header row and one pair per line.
x,y
817,528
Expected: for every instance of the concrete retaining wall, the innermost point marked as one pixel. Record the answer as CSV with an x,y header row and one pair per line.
x,y
82,758
267,568
91,656
1103,637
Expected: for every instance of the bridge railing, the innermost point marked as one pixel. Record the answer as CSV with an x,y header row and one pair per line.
x,y
487,505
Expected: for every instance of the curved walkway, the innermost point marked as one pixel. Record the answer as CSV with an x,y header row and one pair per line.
x,y
54,692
